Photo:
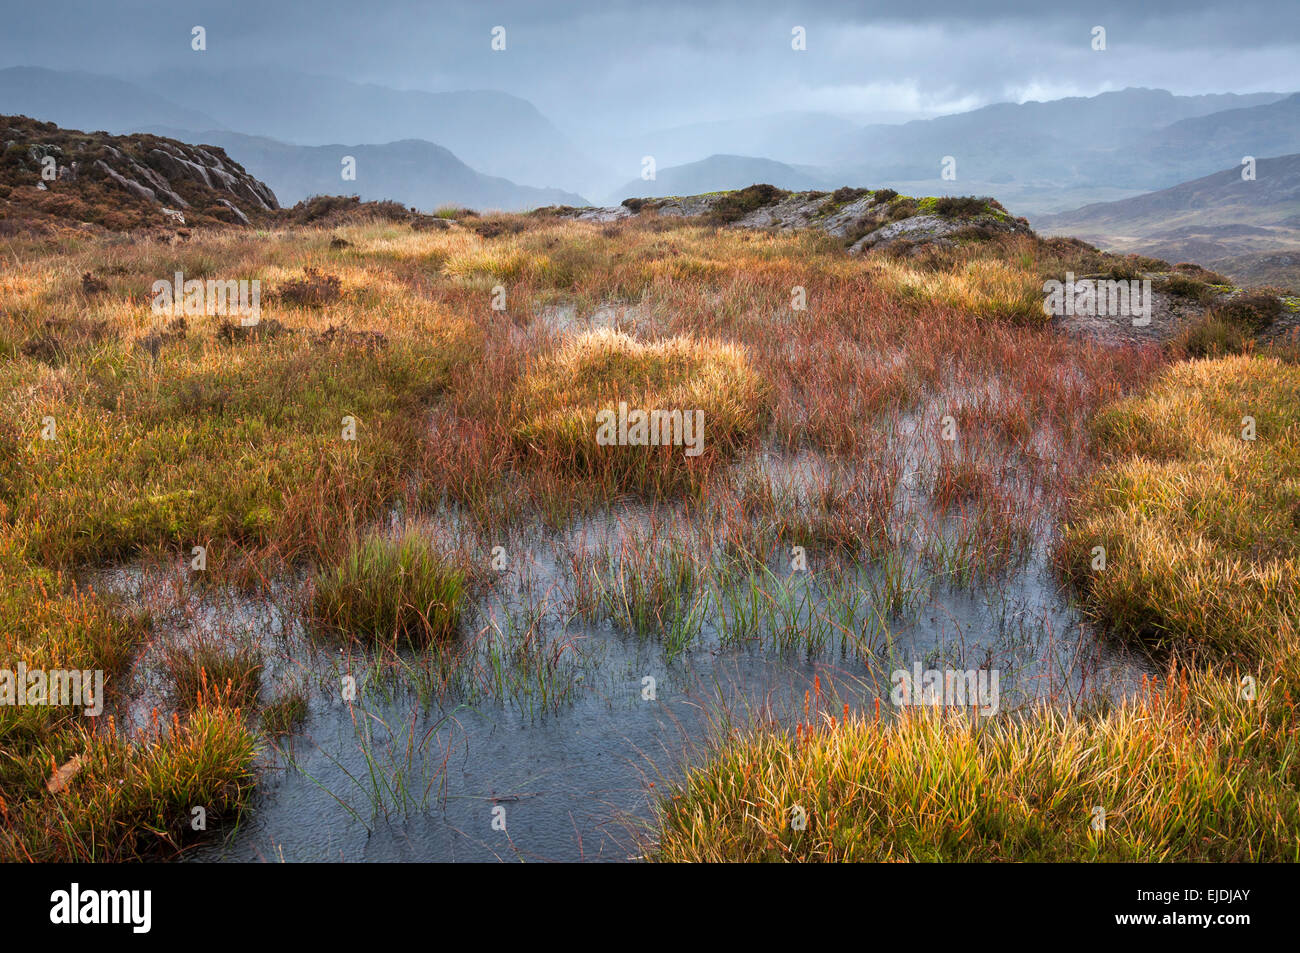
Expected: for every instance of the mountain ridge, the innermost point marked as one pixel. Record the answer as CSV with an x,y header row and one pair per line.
x,y
414,172
1241,227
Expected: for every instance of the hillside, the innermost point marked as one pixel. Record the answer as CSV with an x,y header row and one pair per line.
x,y
493,132
49,174
1211,220
1186,146
413,172
1037,157
1128,139
77,100
718,173
789,137
500,134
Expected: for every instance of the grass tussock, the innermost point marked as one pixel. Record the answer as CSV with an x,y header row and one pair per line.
x,y
1144,783
987,287
1229,327
1212,336
1197,518
388,589
382,378
133,799
313,290
196,669
558,402
1199,510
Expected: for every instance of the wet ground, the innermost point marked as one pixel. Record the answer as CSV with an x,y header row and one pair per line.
x,y
550,742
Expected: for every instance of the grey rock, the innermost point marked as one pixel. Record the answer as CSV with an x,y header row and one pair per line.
x,y
862,220
160,186
916,228
132,186
611,214
234,208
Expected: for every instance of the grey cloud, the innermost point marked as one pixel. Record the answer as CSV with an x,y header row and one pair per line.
x,y
630,64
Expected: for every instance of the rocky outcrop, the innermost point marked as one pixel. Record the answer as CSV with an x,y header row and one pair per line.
x,y
922,229
863,219
122,182
209,170
130,185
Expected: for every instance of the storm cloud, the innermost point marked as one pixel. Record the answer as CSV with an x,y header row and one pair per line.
x,y
626,67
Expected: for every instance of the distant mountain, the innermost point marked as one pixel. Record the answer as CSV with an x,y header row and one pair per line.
x,y
1035,157
1109,140
493,132
85,101
1222,138
718,173
1218,220
790,137
411,171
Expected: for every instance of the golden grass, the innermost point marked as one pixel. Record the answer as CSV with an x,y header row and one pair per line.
x,y
385,589
936,786
1201,526
986,287
132,799
1200,529
235,442
558,401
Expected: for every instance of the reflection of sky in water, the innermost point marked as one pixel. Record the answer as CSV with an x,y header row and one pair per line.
x,y
574,779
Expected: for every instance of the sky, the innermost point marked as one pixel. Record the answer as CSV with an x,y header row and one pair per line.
x,y
623,66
